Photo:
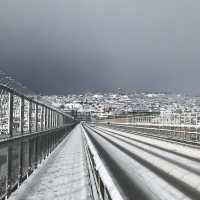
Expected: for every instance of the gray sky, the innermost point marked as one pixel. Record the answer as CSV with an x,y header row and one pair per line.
x,y
67,46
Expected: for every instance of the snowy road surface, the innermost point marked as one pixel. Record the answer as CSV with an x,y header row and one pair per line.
x,y
62,177
145,169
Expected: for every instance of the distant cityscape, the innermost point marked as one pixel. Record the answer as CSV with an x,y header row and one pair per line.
x,y
105,105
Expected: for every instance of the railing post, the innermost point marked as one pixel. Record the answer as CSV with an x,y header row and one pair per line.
x,y
51,113
56,120
29,116
22,115
59,120
36,117
48,118
45,117
53,118
42,118
10,114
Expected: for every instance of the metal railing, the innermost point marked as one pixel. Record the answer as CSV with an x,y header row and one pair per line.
x,y
185,126
20,114
29,131
102,183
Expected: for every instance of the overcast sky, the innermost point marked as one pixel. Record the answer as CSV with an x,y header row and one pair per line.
x,y
73,46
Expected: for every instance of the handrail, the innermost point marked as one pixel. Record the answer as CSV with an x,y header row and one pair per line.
x,y
104,185
20,113
14,92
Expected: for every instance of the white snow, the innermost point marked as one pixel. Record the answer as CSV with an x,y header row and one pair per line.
x,y
155,186
62,177
100,167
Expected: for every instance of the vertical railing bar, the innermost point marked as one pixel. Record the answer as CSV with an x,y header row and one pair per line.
x,y
52,119
22,115
42,118
56,120
30,116
10,114
49,118
45,117
36,117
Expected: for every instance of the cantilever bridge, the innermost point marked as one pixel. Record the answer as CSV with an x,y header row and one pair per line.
x,y
46,154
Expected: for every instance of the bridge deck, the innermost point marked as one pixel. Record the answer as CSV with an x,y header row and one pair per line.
x,y
63,176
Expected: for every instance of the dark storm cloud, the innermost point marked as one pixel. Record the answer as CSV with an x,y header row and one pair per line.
x,y
76,46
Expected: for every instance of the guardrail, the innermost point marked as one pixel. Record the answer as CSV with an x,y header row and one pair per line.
x,y
184,133
99,175
29,131
185,126
20,114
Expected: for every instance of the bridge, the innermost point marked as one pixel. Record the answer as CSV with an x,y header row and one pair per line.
x,y
46,154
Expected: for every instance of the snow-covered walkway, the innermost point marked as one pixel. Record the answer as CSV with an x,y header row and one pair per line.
x,y
63,176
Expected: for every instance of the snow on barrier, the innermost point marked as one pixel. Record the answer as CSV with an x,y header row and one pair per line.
x,y
105,186
183,132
